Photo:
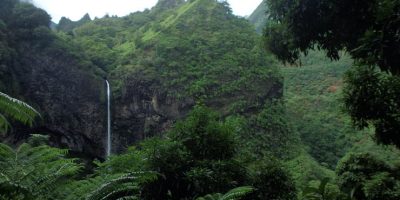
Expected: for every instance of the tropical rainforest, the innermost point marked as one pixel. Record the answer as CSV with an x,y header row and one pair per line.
x,y
298,101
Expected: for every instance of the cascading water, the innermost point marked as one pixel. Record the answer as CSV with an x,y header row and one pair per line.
x,y
108,120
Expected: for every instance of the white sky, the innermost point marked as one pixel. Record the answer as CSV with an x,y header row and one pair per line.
x,y
99,8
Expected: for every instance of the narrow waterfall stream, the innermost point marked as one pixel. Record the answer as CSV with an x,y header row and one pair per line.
x,y
108,120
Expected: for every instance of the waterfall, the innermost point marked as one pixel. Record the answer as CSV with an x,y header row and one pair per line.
x,y
108,120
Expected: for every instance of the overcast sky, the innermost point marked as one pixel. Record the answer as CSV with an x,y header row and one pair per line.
x,y
75,9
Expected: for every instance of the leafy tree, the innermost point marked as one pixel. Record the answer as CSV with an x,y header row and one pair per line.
x,y
203,135
367,177
271,181
26,18
367,30
198,159
269,133
372,97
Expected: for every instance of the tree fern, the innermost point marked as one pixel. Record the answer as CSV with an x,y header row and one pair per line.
x,y
234,194
127,186
107,186
16,110
34,172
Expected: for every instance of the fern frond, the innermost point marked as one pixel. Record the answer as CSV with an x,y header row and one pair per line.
x,y
234,194
125,186
36,171
4,124
216,196
17,110
237,193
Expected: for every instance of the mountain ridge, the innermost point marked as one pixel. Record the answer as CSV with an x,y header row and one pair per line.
x,y
160,63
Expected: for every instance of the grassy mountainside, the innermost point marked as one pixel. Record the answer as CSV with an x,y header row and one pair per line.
x,y
259,17
195,49
162,61
313,94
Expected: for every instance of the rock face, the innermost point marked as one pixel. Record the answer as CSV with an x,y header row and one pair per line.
x,y
142,112
74,109
70,99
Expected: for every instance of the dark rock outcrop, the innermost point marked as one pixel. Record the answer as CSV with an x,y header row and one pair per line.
x,y
70,99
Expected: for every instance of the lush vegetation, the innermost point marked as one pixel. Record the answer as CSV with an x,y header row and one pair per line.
x,y
194,49
16,110
317,86
198,158
238,141
371,38
369,92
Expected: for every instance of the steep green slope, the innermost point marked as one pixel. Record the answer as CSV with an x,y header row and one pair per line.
x,y
259,17
162,61
313,94
194,49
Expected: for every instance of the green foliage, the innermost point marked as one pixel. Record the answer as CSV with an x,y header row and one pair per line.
x,y
203,135
371,97
369,35
304,168
66,25
194,49
323,191
198,158
34,172
16,110
365,176
271,181
198,49
234,194
124,187
26,19
312,94
269,133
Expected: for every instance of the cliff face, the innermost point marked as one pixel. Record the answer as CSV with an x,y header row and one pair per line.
x,y
191,52
69,98
142,111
